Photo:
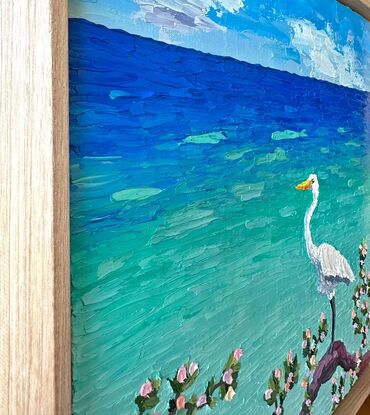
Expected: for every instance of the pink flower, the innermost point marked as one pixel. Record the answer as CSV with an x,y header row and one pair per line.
x,y
334,381
322,317
363,249
308,403
202,400
353,314
335,399
277,374
304,383
146,389
238,353
181,374
180,402
322,336
268,394
193,368
308,333
304,344
278,410
228,377
290,357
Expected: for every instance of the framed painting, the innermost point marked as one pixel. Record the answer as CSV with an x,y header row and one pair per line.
x,y
218,154
215,183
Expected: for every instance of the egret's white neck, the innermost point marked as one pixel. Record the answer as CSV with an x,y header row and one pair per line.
x,y
311,247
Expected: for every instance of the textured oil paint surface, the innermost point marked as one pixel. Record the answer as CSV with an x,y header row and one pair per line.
x,y
186,230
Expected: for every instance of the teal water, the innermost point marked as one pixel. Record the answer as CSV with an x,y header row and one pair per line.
x,y
187,232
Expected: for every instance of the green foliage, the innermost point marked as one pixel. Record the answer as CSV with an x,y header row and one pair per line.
x,y
311,341
310,349
361,312
150,400
277,390
180,387
337,390
184,378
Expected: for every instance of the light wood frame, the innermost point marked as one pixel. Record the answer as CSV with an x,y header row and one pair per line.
x,y
35,352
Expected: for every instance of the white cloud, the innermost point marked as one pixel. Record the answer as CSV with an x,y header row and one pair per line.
x,y
185,15
323,57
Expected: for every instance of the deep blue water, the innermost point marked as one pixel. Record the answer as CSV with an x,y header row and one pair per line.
x,y
187,233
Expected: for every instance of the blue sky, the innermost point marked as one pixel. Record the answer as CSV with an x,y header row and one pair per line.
x,y
316,38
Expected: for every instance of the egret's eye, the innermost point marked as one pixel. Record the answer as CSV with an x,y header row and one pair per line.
x,y
312,180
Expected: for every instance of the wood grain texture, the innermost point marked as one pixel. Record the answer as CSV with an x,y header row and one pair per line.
x,y
352,403
359,6
365,408
34,285
361,390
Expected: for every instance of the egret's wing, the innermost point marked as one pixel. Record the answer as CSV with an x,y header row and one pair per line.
x,y
334,266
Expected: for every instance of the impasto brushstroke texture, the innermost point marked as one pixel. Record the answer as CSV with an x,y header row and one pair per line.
x,y
185,15
186,229
320,39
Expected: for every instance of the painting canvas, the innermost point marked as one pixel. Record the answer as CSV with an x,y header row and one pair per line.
x,y
220,185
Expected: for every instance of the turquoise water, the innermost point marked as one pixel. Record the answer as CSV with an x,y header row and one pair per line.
x,y
187,232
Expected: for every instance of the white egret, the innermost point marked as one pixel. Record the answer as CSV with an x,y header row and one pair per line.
x,y
331,266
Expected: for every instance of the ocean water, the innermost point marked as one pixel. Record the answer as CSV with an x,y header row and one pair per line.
x,y
186,228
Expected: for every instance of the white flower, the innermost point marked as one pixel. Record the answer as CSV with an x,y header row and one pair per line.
x,y
192,368
230,394
268,394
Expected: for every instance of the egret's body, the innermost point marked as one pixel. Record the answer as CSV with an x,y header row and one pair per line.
x,y
331,266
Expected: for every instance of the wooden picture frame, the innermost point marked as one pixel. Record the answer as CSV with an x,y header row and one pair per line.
x,y
35,351
35,307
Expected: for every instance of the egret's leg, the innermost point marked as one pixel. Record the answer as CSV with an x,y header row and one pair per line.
x,y
332,304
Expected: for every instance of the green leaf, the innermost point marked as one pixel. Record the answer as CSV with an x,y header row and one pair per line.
x,y
156,384
151,402
189,381
193,398
235,366
213,403
176,386
229,362
210,386
223,391
139,400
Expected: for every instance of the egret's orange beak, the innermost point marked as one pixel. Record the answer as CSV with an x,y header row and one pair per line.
x,y
306,185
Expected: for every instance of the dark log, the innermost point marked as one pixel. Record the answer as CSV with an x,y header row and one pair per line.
x,y
335,356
